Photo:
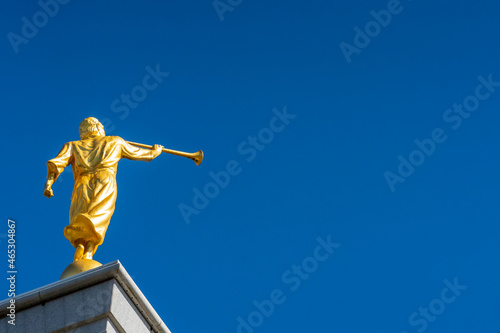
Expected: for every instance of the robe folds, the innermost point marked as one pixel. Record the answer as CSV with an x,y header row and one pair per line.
x,y
94,162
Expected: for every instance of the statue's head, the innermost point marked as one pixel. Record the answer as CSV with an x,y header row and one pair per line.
x,y
91,127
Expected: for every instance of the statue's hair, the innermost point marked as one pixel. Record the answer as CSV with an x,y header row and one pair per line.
x,y
90,126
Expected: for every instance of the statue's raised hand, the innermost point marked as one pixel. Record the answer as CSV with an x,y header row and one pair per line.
x,y
157,150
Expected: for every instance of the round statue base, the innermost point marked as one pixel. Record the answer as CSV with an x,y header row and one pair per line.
x,y
79,266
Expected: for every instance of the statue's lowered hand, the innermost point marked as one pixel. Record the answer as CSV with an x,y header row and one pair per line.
x,y
48,191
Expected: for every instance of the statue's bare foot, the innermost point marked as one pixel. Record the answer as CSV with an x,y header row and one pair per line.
x,y
79,252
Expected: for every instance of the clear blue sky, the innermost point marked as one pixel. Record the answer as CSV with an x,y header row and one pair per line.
x,y
356,102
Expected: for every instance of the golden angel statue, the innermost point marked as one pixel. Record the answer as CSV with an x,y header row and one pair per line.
x,y
94,160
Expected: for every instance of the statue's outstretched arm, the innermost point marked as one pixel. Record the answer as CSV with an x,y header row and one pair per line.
x,y
139,154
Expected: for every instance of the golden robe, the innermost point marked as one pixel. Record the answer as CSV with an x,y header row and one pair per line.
x,y
94,162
